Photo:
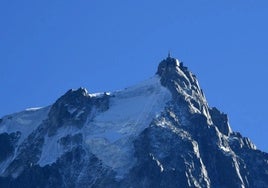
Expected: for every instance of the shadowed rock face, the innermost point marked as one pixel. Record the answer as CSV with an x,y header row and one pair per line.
x,y
187,144
220,120
72,109
7,149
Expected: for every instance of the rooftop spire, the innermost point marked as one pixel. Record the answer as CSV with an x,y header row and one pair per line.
x,y
169,56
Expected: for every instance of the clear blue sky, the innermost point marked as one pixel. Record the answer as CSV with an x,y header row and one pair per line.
x,y
48,47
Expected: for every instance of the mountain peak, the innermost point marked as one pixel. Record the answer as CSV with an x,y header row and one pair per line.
x,y
78,92
168,65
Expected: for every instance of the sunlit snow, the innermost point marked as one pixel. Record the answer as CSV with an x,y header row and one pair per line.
x,y
111,133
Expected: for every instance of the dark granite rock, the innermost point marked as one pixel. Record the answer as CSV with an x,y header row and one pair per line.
x,y
220,120
7,144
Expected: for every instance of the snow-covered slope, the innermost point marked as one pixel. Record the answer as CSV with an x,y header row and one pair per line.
x,y
109,135
24,122
158,133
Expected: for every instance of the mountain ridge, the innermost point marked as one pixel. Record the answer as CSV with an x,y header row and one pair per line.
x,y
158,133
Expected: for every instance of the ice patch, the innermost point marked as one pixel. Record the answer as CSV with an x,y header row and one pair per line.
x,y
225,149
100,94
33,109
24,122
158,163
111,133
52,149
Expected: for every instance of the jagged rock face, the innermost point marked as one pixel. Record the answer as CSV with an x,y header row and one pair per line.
x,y
72,109
184,87
159,133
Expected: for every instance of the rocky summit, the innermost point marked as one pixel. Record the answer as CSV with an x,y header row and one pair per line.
x,y
158,133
